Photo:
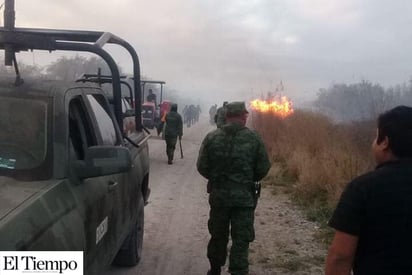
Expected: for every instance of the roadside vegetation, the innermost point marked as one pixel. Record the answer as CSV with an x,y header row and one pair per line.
x,y
317,158
319,152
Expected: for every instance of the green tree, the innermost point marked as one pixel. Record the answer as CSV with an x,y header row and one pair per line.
x,y
25,70
355,102
72,68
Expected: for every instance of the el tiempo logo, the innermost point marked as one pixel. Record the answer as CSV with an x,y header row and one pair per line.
x,y
41,262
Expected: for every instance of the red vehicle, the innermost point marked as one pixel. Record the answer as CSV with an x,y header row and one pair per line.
x,y
149,118
164,109
152,114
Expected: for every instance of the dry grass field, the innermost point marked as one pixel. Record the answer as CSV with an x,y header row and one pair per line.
x,y
319,157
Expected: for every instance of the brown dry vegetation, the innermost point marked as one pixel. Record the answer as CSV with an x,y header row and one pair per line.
x,y
318,156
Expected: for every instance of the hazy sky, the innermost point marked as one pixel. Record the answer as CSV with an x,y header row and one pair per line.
x,y
227,49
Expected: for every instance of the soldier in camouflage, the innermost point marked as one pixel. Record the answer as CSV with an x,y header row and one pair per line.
x,y
220,117
173,130
232,158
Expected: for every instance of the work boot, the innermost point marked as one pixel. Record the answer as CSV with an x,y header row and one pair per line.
x,y
214,271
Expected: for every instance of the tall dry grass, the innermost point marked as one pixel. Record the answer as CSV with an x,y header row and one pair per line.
x,y
320,155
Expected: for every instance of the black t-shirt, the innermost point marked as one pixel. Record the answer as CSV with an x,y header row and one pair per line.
x,y
377,207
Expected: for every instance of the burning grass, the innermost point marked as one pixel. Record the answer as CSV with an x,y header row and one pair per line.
x,y
281,107
319,155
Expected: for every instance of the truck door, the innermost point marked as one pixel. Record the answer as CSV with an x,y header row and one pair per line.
x,y
93,194
120,189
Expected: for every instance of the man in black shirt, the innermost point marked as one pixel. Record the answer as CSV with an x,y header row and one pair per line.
x,y
151,97
373,219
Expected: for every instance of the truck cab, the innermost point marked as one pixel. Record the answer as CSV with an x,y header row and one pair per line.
x,y
71,177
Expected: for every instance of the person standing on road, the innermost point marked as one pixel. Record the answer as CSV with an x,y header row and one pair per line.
x,y
198,111
373,218
220,116
212,113
233,158
151,97
173,130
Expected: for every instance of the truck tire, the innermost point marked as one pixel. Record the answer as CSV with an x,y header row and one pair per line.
x,y
131,250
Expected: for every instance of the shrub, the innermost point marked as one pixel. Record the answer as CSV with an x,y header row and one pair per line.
x,y
322,156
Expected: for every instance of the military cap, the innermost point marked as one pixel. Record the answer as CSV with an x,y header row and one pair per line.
x,y
236,108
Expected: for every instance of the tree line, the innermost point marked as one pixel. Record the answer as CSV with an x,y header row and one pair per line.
x,y
341,102
361,101
71,68
64,68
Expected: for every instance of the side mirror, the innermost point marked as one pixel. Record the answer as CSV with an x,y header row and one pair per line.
x,y
103,161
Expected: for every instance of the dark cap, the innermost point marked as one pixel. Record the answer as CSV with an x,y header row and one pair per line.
x,y
236,108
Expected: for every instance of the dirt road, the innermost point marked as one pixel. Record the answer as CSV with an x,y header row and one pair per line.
x,y
176,235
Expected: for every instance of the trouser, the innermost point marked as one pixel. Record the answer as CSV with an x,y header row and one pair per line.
x,y
159,128
170,146
240,222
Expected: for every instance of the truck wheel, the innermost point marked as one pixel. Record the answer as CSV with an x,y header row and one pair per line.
x,y
131,250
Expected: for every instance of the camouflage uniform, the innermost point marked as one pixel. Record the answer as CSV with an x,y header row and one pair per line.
x,y
173,130
232,158
220,117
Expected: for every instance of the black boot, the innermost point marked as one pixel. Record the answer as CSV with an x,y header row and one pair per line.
x,y
214,270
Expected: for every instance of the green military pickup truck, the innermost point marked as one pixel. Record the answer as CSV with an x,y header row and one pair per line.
x,y
71,178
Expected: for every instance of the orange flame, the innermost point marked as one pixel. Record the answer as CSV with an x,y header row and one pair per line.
x,y
282,107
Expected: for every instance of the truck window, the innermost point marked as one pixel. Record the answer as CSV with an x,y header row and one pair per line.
x,y
80,130
23,135
104,121
125,105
